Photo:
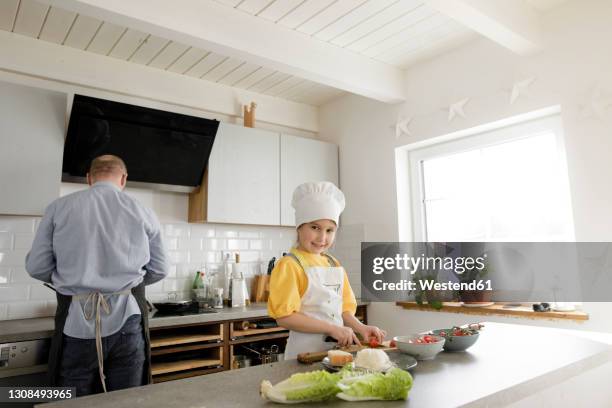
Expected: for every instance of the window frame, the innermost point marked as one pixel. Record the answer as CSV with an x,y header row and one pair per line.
x,y
481,140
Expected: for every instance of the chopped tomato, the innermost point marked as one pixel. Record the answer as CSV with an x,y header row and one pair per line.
x,y
393,344
374,342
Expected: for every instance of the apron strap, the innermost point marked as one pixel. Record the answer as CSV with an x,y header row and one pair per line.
x,y
91,309
302,262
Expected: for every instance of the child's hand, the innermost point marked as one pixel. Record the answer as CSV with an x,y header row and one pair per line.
x,y
368,332
344,335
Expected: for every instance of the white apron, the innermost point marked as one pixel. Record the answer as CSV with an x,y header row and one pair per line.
x,y
322,300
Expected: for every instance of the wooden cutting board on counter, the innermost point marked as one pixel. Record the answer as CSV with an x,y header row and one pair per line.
x,y
315,356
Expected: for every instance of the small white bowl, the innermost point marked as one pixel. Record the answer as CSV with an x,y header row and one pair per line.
x,y
420,351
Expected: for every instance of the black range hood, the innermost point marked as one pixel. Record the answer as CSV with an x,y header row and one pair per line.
x,y
162,150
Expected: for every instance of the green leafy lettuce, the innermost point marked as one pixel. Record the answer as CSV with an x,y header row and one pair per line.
x,y
302,387
360,386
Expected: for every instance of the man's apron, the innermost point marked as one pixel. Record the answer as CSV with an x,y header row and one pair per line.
x,y
322,300
61,313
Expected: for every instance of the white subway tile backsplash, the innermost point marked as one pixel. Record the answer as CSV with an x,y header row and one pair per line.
x,y
176,230
237,244
176,257
224,231
215,244
202,231
249,234
171,243
6,240
20,275
191,247
10,293
40,292
25,310
13,258
23,241
5,275
16,224
250,256
258,244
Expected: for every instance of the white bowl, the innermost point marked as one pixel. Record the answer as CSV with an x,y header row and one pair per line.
x,y
420,351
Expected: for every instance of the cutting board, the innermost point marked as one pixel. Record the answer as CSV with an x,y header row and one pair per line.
x,y
315,356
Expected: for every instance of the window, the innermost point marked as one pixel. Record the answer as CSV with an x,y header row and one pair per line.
x,y
509,184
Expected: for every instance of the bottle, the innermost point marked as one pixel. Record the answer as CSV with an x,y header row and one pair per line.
x,y
198,283
227,280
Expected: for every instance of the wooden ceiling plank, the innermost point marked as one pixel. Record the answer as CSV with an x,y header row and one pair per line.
x,y
57,25
30,18
232,33
221,70
128,44
353,19
304,12
107,36
207,63
256,76
253,7
8,14
149,49
82,32
280,8
376,22
407,35
328,16
239,74
268,82
408,20
288,83
191,57
168,55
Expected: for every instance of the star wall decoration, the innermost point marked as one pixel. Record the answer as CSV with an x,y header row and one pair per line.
x,y
401,127
520,88
456,109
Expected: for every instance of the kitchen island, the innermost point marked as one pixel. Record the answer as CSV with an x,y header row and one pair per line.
x,y
506,365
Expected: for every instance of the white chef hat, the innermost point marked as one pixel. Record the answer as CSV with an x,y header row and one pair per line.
x,y
317,200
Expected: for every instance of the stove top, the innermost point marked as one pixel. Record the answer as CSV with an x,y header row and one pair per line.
x,y
194,309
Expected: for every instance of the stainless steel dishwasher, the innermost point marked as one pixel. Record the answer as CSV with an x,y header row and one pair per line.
x,y
24,364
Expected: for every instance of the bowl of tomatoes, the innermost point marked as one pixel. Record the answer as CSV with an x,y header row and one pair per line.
x,y
459,338
420,346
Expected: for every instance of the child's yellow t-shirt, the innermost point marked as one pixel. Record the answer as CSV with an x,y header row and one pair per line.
x,y
289,282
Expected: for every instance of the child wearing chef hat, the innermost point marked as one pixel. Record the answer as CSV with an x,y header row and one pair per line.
x,y
309,290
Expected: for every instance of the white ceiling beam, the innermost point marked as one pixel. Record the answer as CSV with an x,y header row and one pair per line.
x,y
65,65
510,23
214,27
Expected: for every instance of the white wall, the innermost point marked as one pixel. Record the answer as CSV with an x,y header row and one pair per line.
x,y
576,59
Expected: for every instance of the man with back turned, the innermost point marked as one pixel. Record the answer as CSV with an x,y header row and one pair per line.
x,y
98,248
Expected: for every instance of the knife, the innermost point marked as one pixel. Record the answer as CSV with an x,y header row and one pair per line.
x,y
271,265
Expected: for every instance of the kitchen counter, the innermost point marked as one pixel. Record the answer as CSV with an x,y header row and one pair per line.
x,y
508,363
39,328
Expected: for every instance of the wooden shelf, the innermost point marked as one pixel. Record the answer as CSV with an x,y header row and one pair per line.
x,y
182,365
499,309
259,338
173,339
252,332
180,348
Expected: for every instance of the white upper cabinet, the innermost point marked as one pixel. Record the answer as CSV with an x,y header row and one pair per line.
x,y
303,160
243,176
32,128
